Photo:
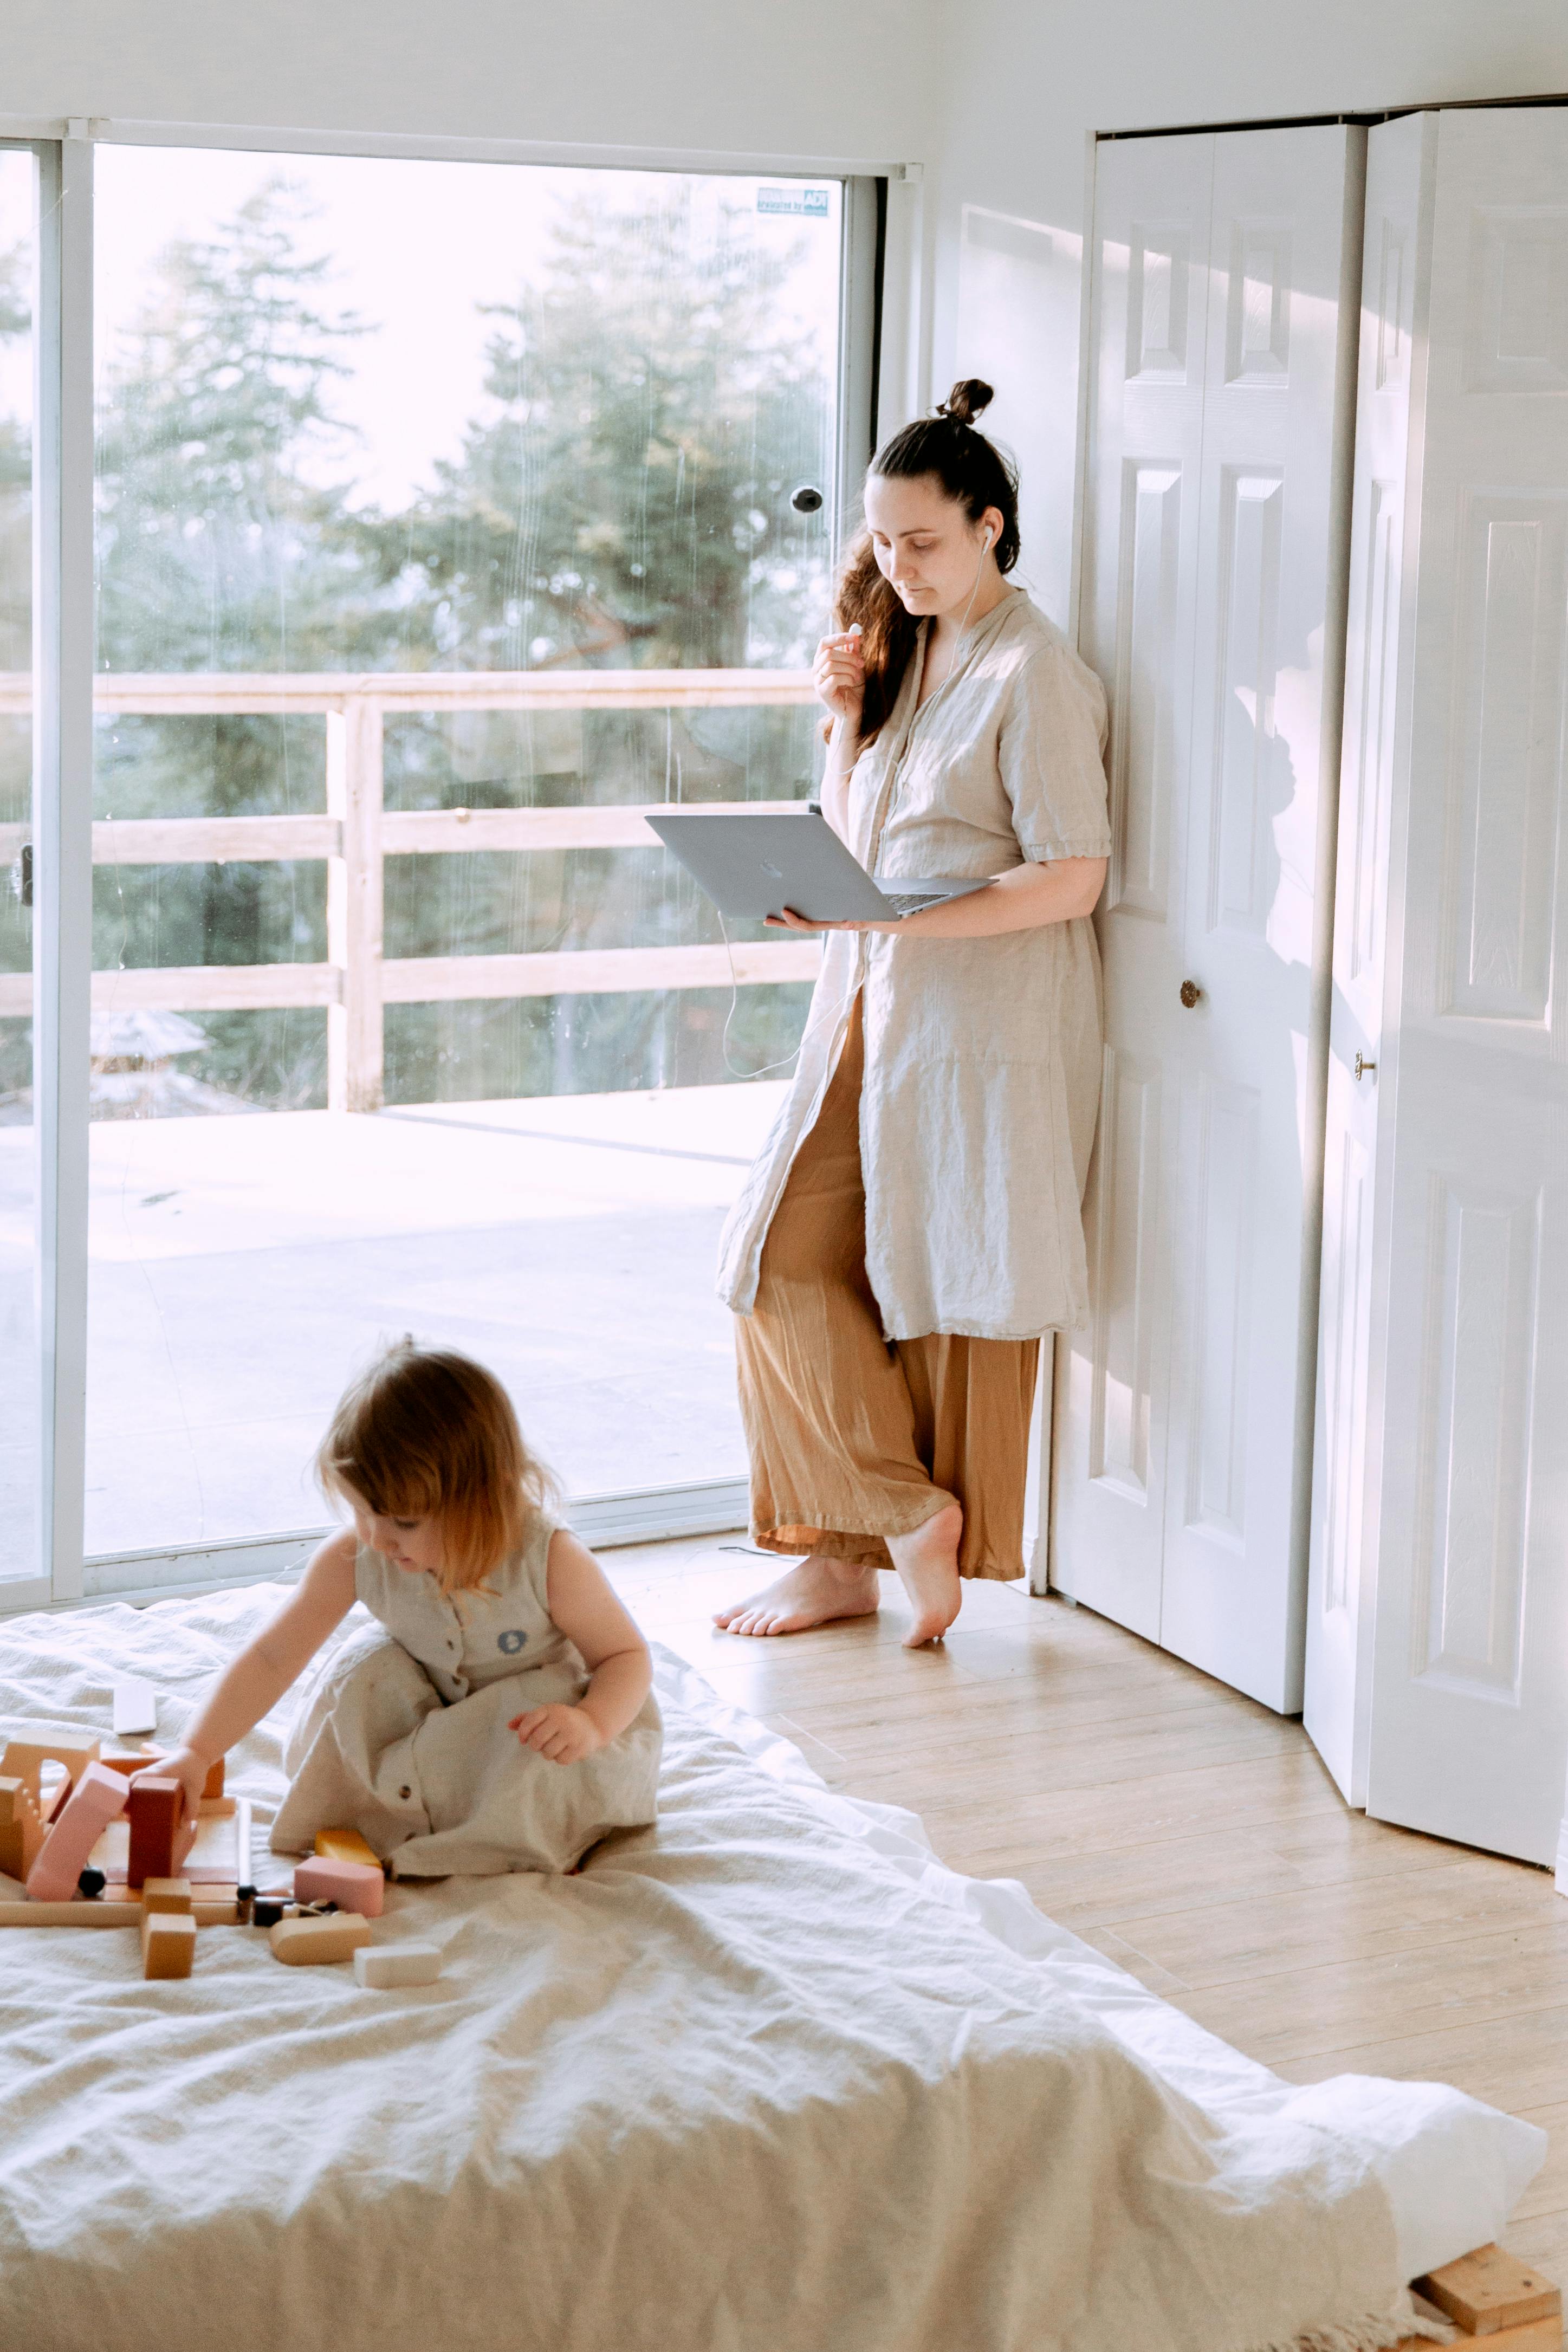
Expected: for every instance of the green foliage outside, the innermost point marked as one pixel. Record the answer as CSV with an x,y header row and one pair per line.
x,y
621,500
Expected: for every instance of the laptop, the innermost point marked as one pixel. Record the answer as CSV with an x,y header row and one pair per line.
x,y
755,862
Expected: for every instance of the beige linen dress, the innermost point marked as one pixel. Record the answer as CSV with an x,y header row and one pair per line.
x,y
403,1734
981,1080
911,1226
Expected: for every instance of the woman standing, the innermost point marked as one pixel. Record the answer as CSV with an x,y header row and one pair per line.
x,y
911,1226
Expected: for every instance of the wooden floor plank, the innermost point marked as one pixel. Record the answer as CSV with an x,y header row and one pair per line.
x,y
1183,1831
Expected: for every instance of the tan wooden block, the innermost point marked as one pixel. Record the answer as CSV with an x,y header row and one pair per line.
x,y
168,1944
26,1758
1489,2290
76,1914
345,1845
336,1935
166,1894
21,1829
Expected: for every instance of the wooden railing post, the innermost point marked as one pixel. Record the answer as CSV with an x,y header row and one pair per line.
x,y
354,904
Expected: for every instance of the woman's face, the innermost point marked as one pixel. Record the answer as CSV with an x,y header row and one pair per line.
x,y
926,545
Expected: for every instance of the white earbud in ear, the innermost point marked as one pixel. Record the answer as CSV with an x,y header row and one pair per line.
x,y
986,543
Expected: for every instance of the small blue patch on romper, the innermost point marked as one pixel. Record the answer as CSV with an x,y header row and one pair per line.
x,y
510,1642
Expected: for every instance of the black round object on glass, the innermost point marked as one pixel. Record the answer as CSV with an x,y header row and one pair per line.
x,y
91,1883
807,499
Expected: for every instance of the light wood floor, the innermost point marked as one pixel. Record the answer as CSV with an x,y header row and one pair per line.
x,y
1178,1827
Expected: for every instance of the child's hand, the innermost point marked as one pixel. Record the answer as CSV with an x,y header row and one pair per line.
x,y
185,1766
565,1734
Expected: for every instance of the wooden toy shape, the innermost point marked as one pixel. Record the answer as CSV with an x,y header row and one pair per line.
x,y
1491,2293
352,1886
336,1935
166,1895
136,1759
27,1757
168,1943
160,1838
21,1831
345,1845
93,1803
382,1965
135,1708
223,1911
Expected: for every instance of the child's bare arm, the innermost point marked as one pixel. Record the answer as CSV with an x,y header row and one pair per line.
x,y
583,1606
257,1678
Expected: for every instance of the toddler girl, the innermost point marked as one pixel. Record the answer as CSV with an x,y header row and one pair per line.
x,y
499,1716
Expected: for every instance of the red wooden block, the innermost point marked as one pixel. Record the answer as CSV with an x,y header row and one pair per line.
x,y
95,1800
159,1841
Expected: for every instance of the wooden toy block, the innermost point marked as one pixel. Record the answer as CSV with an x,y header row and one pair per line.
x,y
212,1906
168,1944
160,1838
336,1935
1489,2292
21,1830
136,1759
94,1801
135,1708
27,1757
79,1913
345,1845
211,1857
166,1895
352,1886
381,1965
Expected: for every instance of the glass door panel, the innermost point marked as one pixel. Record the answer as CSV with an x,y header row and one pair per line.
x,y
19,1356
447,516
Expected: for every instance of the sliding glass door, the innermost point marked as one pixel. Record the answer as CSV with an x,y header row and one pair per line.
x,y
21,1454
447,515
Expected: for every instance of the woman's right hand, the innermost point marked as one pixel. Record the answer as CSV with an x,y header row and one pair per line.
x,y
838,674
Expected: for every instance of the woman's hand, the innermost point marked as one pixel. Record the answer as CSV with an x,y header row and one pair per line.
x,y
565,1734
838,673
185,1766
1026,898
790,921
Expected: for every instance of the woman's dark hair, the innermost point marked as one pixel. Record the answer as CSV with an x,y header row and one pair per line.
x,y
969,469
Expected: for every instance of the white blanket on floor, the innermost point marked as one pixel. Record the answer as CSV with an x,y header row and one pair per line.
x,y
767,2080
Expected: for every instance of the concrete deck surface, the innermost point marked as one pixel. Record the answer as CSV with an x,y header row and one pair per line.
x,y
242,1267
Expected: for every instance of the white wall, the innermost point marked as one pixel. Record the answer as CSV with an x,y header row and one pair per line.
x,y
815,81
1022,84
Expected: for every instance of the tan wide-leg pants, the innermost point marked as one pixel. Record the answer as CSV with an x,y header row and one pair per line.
x,y
854,1438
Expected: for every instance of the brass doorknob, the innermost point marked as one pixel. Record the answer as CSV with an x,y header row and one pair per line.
x,y
1191,992
1362,1066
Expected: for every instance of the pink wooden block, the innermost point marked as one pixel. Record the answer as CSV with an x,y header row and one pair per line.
x,y
352,1886
93,1803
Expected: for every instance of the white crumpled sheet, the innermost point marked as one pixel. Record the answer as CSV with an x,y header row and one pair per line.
x,y
768,2079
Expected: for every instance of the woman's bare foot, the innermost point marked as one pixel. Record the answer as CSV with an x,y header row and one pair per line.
x,y
927,1562
814,1593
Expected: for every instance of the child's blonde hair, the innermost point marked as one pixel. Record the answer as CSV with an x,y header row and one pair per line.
x,y
425,1432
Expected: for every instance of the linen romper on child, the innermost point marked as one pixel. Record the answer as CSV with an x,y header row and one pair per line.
x,y
403,1732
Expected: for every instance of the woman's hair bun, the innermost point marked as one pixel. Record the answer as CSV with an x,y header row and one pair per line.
x,y
966,401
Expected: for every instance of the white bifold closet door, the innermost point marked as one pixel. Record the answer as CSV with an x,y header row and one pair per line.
x,y
1437,1660
1217,493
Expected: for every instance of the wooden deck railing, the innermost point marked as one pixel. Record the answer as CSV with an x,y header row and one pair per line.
x,y
357,834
